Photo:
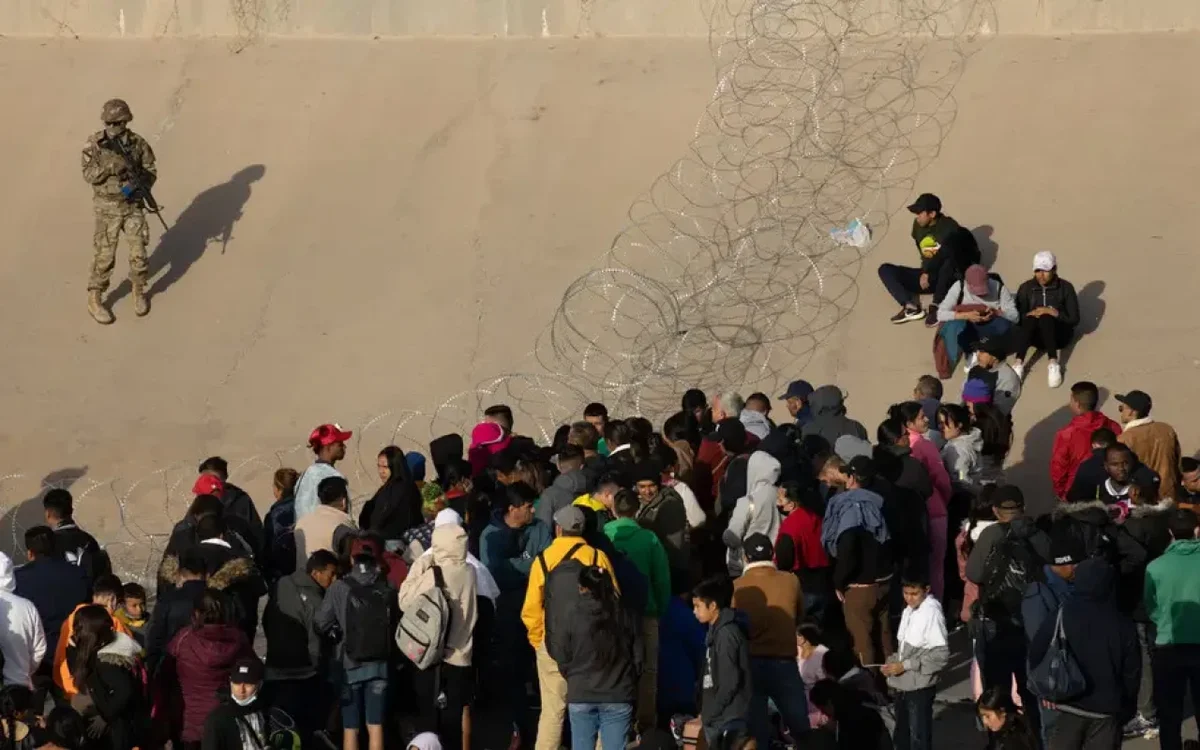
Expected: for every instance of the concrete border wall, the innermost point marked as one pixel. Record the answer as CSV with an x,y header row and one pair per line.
x,y
142,19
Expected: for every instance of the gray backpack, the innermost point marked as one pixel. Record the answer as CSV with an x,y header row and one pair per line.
x,y
421,634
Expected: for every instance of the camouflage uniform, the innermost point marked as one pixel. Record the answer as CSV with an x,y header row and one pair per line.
x,y
106,172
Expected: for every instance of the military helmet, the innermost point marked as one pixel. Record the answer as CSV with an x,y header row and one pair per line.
x,y
115,110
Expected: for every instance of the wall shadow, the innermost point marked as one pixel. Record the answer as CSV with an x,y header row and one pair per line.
x,y
989,250
209,218
29,512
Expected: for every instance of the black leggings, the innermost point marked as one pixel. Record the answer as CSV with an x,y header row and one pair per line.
x,y
1045,332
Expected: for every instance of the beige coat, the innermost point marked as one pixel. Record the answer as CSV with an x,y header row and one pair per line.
x,y
321,530
1157,445
449,554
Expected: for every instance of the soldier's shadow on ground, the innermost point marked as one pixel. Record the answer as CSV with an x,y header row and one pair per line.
x,y
29,513
209,219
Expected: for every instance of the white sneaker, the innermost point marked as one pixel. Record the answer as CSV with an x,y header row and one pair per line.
x,y
1054,375
1019,369
970,362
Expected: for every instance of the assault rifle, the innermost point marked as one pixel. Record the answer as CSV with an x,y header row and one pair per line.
x,y
138,189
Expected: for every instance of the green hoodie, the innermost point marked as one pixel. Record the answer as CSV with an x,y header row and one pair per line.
x,y
644,550
1173,593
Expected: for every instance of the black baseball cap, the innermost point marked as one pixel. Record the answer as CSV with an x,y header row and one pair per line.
x,y
247,670
758,548
926,202
1139,401
798,389
1008,497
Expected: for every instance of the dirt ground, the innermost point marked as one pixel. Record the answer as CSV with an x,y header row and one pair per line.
x,y
371,232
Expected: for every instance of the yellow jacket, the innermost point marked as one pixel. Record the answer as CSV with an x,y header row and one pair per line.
x,y
533,612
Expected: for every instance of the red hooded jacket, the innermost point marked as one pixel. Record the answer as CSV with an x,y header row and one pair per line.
x,y
1073,446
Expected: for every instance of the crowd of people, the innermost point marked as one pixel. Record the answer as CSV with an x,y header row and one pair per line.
x,y
728,580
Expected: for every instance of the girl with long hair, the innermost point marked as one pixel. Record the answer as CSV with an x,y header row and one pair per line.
x,y
107,669
598,654
204,654
1006,727
396,505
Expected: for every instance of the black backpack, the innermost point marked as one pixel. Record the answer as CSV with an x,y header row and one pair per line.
x,y
368,629
561,590
1011,565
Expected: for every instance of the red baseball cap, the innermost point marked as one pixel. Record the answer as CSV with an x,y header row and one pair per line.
x,y
328,434
207,484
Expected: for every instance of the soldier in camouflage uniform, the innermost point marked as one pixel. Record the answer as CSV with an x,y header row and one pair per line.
x,y
108,174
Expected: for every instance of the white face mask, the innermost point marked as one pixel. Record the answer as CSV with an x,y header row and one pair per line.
x,y
245,702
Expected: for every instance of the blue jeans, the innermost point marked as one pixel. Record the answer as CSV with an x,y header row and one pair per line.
x,y
777,680
611,721
367,698
962,337
914,719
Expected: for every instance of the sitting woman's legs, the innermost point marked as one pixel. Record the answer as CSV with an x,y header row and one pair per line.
x,y
1044,332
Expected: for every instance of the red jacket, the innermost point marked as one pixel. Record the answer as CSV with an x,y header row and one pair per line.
x,y
1073,446
802,528
204,657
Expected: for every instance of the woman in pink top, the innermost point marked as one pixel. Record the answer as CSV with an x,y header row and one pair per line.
x,y
915,421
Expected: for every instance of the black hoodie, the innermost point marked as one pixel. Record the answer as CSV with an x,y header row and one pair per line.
x,y
1147,527
593,677
829,420
1103,641
1091,476
725,679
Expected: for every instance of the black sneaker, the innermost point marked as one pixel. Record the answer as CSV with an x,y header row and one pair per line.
x,y
907,314
931,320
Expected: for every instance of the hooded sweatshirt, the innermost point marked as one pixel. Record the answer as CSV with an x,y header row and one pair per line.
x,y
22,640
923,648
559,495
204,657
449,554
829,420
1172,590
756,423
1073,446
725,679
756,512
1103,641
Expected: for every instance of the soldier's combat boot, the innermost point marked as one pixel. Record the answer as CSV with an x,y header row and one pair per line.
x,y
97,309
141,303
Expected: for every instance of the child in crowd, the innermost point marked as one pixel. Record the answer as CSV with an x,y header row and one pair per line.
x,y
726,677
1006,727
810,651
133,611
913,670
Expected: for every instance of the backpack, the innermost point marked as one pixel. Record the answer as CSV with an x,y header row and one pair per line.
x,y
561,590
421,634
1058,677
1011,565
368,620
